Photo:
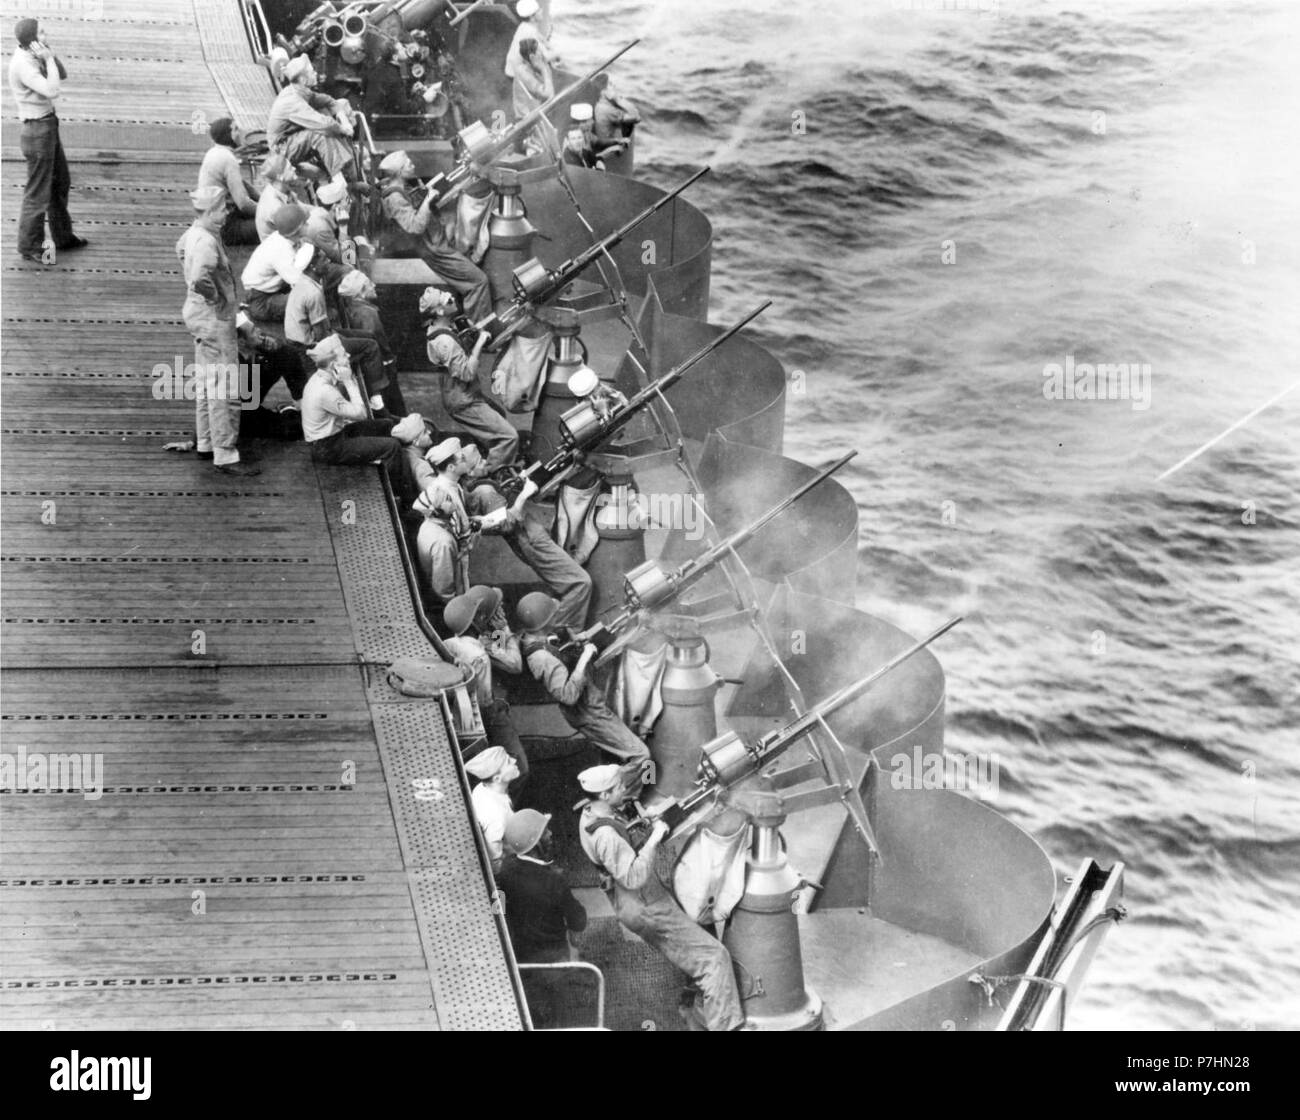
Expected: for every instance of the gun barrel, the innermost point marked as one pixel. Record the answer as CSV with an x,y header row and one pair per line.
x,y
675,374
710,556
571,268
526,123
782,739
614,238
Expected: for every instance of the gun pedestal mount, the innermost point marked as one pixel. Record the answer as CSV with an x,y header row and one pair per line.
x,y
689,689
621,533
763,930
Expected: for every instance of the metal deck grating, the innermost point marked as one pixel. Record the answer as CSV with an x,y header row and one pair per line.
x,y
247,777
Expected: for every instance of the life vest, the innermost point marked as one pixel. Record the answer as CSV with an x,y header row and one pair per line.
x,y
439,367
395,238
530,644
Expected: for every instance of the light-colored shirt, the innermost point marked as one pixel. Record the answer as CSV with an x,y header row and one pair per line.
x,y
220,168
296,108
527,29
275,264
207,268
532,86
492,809
605,847
325,410
306,315
501,649
439,559
267,205
34,89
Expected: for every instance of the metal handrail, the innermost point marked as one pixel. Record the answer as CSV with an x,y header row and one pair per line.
x,y
580,966
260,40
365,127
480,844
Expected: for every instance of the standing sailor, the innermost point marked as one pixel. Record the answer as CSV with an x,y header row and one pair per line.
x,y
209,314
644,905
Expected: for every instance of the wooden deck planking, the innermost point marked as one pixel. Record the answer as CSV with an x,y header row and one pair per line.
x,y
226,769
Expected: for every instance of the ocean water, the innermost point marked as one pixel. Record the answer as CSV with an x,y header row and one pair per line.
x,y
944,202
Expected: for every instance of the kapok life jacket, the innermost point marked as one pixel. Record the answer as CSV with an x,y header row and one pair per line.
x,y
439,367
531,643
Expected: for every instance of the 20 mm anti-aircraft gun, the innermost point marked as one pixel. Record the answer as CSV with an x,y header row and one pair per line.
x,y
763,928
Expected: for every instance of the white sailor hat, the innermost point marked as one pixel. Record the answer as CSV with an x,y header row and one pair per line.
x,y
354,283
333,192
583,382
435,299
296,66
487,764
526,9
597,779
205,198
392,163
327,350
440,453
580,111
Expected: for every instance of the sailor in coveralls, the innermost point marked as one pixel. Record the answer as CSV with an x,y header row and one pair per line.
x,y
644,905
579,697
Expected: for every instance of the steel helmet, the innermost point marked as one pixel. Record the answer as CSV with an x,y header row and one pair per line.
x,y
524,829
459,613
486,600
535,610
289,219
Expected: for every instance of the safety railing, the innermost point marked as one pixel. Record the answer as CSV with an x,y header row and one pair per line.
x,y
260,40
575,967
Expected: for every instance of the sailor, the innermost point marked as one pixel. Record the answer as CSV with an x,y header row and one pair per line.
x,y
479,647
209,314
303,123
321,228
359,303
613,117
529,28
644,904
335,423
220,168
307,320
579,697
495,770
527,531
419,227
276,265
604,398
457,372
445,536
541,910
581,147
533,81
282,182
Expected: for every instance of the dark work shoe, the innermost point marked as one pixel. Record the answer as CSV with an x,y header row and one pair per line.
x,y
35,258
203,454
242,470
75,243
